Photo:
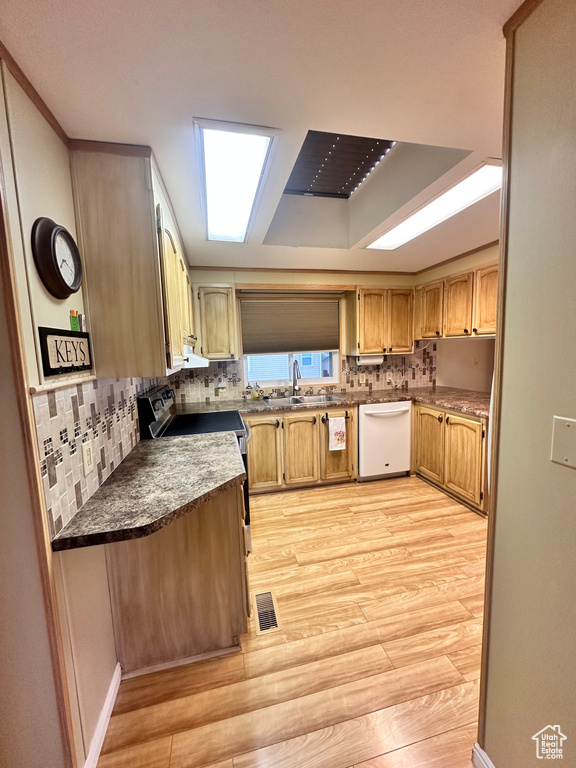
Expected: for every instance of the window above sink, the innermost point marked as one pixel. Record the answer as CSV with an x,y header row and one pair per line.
x,y
275,370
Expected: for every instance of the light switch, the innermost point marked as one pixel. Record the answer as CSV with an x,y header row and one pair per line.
x,y
564,442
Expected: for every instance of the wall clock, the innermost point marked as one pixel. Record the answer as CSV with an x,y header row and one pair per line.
x,y
57,258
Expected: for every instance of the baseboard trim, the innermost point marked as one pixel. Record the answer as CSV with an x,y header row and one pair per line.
x,y
480,759
103,720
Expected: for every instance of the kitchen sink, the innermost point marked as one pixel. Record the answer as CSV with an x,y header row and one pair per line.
x,y
290,402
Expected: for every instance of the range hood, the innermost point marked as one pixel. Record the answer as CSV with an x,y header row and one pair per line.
x,y
192,360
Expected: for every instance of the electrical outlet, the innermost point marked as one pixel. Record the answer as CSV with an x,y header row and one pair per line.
x,y
361,378
88,457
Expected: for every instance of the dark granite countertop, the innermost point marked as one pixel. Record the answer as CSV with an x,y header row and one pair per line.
x,y
158,482
464,400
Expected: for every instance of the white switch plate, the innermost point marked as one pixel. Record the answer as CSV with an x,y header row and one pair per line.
x,y
88,457
564,442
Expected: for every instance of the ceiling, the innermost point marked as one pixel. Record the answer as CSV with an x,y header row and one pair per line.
x,y
429,73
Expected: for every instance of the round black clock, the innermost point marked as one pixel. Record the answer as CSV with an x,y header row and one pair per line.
x,y
57,258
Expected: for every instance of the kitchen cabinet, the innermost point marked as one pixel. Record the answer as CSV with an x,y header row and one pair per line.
x,y
134,266
485,300
301,465
463,463
382,323
450,451
430,441
181,592
458,299
217,307
265,453
337,465
291,449
373,321
432,310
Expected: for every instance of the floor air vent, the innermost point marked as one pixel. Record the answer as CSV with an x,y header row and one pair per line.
x,y
266,613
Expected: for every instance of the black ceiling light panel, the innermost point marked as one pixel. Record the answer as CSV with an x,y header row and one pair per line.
x,y
334,165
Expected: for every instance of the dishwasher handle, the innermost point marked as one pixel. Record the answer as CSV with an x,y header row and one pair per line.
x,y
395,412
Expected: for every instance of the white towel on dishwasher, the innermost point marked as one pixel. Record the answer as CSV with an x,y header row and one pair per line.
x,y
337,433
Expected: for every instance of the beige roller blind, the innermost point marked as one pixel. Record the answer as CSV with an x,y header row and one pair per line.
x,y
289,325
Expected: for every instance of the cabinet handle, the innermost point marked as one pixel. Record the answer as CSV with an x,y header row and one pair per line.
x,y
440,419
314,420
391,348
277,423
474,330
437,333
447,420
466,330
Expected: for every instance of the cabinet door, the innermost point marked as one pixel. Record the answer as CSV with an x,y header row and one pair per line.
x,y
431,309
218,322
485,300
186,300
301,449
418,313
430,461
458,305
264,453
373,321
170,262
337,465
463,467
400,326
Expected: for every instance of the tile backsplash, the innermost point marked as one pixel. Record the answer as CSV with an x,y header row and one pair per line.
x,y
200,385
103,411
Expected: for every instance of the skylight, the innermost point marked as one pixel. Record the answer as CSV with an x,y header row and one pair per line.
x,y
470,190
233,159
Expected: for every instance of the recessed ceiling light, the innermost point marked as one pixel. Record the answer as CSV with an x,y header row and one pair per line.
x,y
465,193
234,160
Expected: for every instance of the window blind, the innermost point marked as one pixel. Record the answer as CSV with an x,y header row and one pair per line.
x,y
289,325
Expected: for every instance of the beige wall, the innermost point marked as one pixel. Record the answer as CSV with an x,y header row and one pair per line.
x,y
29,727
530,682
37,170
476,260
465,363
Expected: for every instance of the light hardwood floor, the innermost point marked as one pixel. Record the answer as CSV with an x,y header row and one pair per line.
x,y
380,592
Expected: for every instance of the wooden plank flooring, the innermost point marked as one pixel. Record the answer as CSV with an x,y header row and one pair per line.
x,y
377,662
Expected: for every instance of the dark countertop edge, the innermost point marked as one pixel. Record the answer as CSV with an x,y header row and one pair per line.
x,y
128,534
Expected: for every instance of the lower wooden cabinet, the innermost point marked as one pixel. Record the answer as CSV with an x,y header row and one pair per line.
x,y
451,452
431,433
301,449
265,453
290,450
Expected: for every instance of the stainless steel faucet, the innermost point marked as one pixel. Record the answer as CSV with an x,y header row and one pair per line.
x,y
295,377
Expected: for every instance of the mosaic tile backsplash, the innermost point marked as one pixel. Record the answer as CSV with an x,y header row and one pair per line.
x,y
417,370
103,411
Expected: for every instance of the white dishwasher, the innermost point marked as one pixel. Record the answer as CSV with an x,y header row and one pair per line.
x,y
384,432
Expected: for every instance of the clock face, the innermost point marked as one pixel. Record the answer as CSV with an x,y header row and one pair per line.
x,y
65,261
57,258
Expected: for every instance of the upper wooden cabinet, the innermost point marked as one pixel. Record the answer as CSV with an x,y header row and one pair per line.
x,y
373,318
384,321
458,299
485,300
217,307
176,294
400,315
116,223
431,310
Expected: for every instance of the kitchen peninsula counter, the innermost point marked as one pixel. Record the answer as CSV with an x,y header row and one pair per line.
x,y
158,482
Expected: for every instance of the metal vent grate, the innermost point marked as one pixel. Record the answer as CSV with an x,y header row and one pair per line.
x,y
266,613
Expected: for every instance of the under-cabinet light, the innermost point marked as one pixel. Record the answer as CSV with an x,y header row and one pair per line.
x,y
233,159
470,190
